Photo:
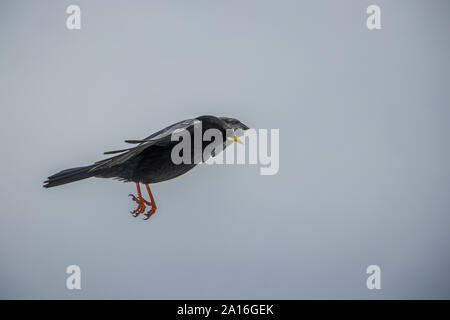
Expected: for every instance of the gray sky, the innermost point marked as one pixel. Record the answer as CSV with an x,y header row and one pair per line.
x,y
364,155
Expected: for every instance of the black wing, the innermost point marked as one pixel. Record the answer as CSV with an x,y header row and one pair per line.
x,y
160,137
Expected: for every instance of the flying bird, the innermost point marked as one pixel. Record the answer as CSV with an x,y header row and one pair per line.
x,y
150,161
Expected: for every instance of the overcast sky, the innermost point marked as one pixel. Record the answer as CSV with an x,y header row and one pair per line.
x,y
364,155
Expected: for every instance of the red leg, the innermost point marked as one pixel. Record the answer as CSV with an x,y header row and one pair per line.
x,y
139,200
142,202
153,204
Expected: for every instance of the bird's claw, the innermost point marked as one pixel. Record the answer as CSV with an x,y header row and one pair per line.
x,y
142,204
149,213
133,213
133,198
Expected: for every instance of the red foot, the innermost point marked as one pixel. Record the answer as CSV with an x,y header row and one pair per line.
x,y
142,203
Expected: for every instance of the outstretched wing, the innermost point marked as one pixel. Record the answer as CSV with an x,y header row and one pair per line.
x,y
160,137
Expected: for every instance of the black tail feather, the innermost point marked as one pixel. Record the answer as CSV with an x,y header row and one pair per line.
x,y
69,175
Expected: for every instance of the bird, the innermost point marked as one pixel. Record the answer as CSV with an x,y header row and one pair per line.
x,y
150,160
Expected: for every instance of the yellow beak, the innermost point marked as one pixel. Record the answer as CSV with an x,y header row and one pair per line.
x,y
235,139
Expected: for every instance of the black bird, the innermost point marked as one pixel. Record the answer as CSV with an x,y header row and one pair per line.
x,y
150,160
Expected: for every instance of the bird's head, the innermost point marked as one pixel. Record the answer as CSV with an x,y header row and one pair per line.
x,y
234,123
237,126
225,124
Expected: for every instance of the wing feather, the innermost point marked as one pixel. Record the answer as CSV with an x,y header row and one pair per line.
x,y
160,137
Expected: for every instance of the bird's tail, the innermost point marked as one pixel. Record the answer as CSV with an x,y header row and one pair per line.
x,y
69,175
